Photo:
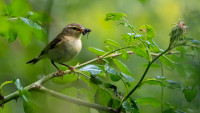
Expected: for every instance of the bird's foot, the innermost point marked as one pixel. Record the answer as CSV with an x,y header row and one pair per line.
x,y
71,69
61,73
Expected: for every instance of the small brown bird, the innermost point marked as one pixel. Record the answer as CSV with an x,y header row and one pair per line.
x,y
64,47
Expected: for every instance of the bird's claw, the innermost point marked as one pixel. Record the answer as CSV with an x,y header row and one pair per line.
x,y
61,73
71,69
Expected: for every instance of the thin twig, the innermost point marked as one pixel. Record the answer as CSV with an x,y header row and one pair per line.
x,y
74,100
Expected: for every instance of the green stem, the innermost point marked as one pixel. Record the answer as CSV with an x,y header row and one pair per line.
x,y
145,72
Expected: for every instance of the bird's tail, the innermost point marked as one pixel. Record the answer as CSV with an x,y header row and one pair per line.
x,y
33,61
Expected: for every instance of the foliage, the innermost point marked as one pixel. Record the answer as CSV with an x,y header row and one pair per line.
x,y
103,79
20,22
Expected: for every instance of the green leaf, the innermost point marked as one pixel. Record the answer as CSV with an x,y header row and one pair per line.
x,y
11,35
153,47
167,62
96,80
148,100
114,75
112,42
127,77
127,106
150,33
25,95
96,51
140,50
122,67
30,23
102,97
18,84
114,103
115,16
109,48
95,70
154,81
129,38
190,93
124,54
27,104
174,85
68,78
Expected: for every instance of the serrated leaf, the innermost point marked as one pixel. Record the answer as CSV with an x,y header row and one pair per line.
x,y
96,51
93,69
140,50
115,16
127,77
114,75
190,93
150,33
128,39
122,67
96,80
148,100
102,97
112,42
31,23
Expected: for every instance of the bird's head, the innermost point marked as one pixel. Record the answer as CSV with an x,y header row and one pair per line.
x,y
75,30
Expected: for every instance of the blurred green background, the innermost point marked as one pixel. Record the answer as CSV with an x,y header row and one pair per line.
x,y
160,14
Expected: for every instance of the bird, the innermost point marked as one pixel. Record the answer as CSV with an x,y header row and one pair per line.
x,y
65,46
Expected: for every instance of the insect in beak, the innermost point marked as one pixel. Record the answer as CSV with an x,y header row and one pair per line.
x,y
86,31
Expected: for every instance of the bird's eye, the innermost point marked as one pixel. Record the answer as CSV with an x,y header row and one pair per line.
x,y
74,28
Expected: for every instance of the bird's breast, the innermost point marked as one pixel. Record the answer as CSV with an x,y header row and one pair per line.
x,y
67,50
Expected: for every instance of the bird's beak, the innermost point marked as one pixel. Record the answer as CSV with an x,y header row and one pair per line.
x,y
85,31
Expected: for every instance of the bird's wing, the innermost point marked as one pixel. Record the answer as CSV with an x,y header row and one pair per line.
x,y
52,44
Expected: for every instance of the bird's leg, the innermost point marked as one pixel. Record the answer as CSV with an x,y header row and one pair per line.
x,y
60,71
70,68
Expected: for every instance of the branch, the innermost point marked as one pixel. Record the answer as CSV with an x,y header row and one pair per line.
x,y
35,85
74,100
